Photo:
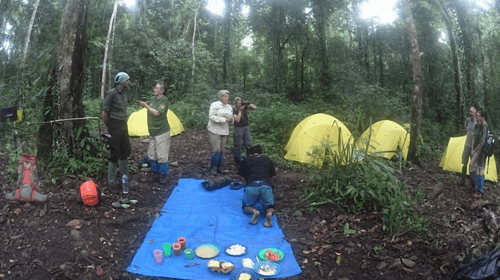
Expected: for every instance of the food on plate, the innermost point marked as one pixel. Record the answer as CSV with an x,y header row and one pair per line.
x,y
217,266
267,270
248,263
214,265
206,251
272,256
245,276
236,250
227,267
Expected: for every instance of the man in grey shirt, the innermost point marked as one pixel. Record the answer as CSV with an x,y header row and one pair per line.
x,y
470,123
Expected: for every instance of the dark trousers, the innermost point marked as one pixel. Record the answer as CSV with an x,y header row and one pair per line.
x,y
119,142
241,137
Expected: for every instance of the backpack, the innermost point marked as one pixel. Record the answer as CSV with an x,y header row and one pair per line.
x,y
482,268
489,144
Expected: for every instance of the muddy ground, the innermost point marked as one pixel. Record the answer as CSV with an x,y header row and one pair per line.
x,y
37,243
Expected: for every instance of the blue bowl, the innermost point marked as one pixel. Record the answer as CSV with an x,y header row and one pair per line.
x,y
235,274
273,264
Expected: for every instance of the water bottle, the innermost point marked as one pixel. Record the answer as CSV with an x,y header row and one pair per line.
x,y
125,184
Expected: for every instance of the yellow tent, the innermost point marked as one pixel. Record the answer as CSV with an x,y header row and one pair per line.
x,y
311,132
138,123
452,159
386,137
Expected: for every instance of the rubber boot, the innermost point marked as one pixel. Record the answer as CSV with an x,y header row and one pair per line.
x,y
123,165
155,169
464,174
472,181
213,163
480,184
237,158
112,177
164,173
220,162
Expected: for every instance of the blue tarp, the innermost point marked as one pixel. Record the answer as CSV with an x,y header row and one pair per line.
x,y
204,217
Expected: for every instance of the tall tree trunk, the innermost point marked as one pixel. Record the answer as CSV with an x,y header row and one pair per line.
x,y
186,28
459,120
227,40
70,63
28,35
380,61
4,7
194,58
416,115
468,56
106,50
320,11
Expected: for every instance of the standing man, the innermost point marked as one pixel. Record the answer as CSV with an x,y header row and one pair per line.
x,y
159,133
470,124
114,114
257,170
241,134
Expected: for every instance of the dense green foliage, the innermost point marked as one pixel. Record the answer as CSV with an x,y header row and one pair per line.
x,y
354,182
303,58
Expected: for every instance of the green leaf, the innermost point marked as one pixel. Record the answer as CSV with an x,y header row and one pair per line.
x,y
297,213
347,230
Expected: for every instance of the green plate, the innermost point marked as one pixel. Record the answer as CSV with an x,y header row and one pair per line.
x,y
207,251
262,254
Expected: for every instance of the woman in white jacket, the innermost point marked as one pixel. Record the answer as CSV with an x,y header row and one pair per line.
x,y
219,118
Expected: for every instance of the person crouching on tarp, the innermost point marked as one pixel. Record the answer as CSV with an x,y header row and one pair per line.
x,y
159,133
257,170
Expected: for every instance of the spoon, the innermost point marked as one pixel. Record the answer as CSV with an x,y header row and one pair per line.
x,y
258,261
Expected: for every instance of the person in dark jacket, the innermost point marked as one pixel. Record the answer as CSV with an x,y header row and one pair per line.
x,y
114,115
257,170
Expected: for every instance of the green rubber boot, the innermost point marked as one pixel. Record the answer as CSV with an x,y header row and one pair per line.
x,y
123,165
112,177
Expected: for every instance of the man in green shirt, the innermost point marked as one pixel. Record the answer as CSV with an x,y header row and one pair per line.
x,y
159,133
114,114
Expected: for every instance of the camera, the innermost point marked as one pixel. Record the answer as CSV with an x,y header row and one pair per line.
x,y
245,103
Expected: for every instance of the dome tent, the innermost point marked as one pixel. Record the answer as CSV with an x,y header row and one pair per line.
x,y
451,159
311,132
138,123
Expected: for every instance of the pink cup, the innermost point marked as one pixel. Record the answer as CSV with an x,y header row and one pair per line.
x,y
158,255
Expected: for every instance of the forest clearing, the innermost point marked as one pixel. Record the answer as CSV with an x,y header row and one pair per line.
x,y
322,77
39,244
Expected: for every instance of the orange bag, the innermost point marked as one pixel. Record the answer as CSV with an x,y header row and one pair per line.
x,y
89,193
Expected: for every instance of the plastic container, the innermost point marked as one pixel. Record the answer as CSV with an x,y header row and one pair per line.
x,y
182,241
189,254
158,255
167,249
125,184
177,249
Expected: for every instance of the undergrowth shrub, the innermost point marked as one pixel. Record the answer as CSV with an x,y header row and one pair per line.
x,y
352,183
272,125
